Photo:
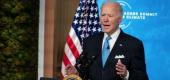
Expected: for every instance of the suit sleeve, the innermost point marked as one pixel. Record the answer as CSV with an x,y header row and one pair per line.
x,y
81,63
138,68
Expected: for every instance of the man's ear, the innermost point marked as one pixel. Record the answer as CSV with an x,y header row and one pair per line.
x,y
119,19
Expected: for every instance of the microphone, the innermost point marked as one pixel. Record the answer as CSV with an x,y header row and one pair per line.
x,y
90,60
79,62
82,65
84,61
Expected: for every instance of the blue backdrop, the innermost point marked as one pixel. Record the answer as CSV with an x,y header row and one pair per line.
x,y
149,20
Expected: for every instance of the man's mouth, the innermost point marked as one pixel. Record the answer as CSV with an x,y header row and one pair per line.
x,y
106,25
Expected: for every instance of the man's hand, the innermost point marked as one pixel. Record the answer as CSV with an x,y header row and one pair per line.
x,y
71,70
121,69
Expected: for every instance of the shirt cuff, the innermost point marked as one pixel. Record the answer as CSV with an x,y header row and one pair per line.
x,y
127,76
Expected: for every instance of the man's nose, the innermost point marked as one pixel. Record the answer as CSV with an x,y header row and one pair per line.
x,y
105,19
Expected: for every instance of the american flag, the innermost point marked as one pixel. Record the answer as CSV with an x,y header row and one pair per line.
x,y
85,23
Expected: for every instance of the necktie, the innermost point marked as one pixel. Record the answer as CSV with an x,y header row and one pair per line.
x,y
106,50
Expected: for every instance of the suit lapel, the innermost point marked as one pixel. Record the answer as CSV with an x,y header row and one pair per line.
x,y
118,44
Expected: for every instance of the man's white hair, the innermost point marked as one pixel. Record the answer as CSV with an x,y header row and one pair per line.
x,y
114,1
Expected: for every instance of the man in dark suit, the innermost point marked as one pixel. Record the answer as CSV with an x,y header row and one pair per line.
x,y
125,54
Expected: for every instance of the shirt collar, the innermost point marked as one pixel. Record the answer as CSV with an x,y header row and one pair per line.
x,y
113,35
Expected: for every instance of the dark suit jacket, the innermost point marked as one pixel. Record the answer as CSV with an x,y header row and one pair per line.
x,y
130,47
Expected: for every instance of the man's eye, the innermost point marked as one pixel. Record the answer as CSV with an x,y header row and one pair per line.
x,y
103,15
110,15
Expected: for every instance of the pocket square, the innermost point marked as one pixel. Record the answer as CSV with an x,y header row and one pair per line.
x,y
119,56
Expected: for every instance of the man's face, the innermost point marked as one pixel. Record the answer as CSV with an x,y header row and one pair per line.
x,y
110,17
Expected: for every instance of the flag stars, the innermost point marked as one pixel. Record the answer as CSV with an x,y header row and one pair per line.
x,y
81,15
84,1
87,7
86,15
99,23
95,22
93,2
84,22
80,22
94,29
77,15
87,35
84,28
86,19
75,22
92,8
96,15
99,29
78,9
83,8
91,15
89,29
79,28
82,35
90,22
88,1
96,9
